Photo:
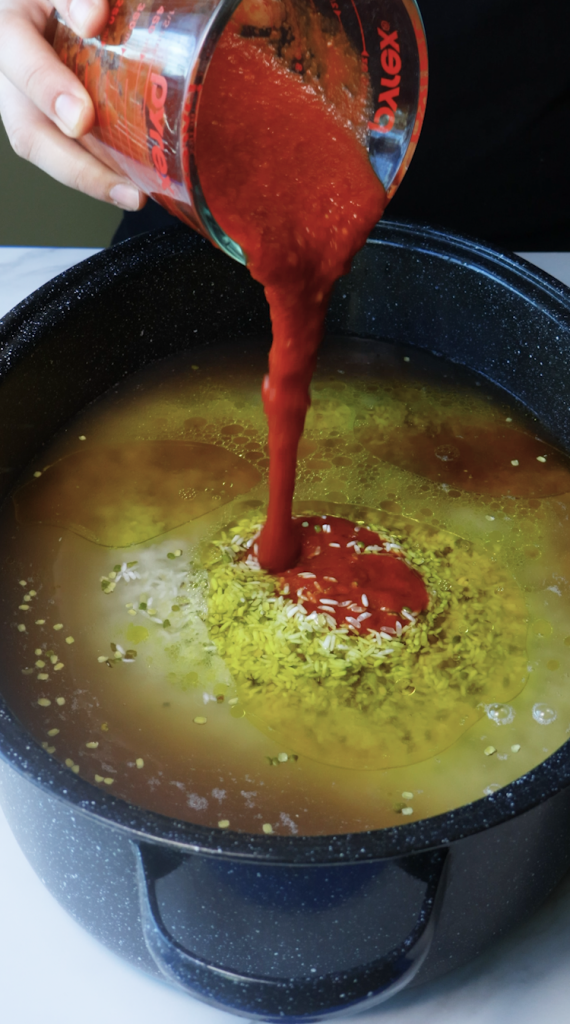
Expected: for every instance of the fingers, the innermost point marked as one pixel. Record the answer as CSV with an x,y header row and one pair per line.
x,y
35,138
31,65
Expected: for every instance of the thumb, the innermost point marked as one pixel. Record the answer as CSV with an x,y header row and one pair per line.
x,y
86,17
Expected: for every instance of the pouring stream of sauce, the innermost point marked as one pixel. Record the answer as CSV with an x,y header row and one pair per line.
x,y
287,175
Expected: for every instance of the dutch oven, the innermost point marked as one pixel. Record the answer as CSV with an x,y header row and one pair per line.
x,y
275,927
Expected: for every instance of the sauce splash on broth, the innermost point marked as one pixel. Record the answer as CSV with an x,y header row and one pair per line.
x,y
382,593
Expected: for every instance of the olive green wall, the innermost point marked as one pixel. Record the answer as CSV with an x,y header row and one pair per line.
x,y
35,210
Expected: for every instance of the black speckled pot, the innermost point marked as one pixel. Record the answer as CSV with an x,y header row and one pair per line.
x,y
266,926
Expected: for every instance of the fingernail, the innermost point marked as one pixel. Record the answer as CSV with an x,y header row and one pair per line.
x,y
125,196
69,109
80,11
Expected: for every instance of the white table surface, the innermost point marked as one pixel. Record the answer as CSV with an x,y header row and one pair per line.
x,y
52,972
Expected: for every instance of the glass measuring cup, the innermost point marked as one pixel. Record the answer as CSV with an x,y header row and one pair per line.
x,y
146,71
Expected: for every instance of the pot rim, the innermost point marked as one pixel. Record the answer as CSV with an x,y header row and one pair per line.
x,y
19,331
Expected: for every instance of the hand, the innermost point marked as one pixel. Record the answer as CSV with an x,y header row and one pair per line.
x,y
43,105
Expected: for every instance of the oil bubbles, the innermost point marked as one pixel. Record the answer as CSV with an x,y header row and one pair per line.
x,y
501,714
543,714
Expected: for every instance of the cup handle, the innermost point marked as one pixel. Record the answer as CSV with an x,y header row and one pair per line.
x,y
269,998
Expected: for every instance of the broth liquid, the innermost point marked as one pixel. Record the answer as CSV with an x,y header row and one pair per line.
x,y
151,726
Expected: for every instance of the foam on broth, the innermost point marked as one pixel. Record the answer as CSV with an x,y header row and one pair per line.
x,y
137,727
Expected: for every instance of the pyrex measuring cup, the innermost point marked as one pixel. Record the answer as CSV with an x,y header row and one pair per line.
x,y
146,71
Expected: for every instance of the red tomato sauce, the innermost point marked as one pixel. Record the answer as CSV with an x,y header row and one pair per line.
x,y
349,573
287,176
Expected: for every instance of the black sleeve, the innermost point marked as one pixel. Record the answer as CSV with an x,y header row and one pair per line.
x,y
150,217
493,159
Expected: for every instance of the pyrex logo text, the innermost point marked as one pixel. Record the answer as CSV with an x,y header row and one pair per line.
x,y
385,116
158,93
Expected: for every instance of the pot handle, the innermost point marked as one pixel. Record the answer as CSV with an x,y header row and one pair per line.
x,y
306,999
